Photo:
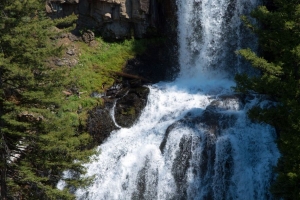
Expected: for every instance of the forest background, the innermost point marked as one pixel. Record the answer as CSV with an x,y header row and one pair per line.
x,y
42,131
44,107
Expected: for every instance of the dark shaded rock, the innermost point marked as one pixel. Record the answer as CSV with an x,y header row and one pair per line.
x,y
119,19
128,104
215,119
100,124
223,170
159,62
146,183
181,165
122,92
207,126
164,142
129,107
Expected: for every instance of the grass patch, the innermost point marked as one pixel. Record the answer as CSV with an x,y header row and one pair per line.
x,y
93,72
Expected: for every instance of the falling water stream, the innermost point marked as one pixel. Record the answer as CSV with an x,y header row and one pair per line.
x,y
193,139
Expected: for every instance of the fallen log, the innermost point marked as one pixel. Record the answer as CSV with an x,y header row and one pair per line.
x,y
131,76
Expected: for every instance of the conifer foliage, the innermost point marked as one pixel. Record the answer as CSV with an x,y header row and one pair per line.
x,y
278,30
37,139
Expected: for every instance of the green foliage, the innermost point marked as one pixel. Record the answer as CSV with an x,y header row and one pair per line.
x,y
41,129
38,138
93,72
96,63
66,22
279,40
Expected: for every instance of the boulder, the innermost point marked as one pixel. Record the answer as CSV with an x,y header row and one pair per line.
x,y
129,107
100,124
127,102
88,36
206,128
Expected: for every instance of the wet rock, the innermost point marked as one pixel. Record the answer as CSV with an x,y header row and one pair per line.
x,y
164,142
100,124
128,104
158,63
206,127
146,183
98,95
129,107
181,165
215,119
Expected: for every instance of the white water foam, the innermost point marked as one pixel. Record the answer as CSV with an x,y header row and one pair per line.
x,y
193,139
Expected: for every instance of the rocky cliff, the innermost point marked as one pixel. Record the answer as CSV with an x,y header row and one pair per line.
x,y
118,19
61,8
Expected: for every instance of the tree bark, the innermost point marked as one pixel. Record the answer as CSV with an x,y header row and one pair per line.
x,y
3,169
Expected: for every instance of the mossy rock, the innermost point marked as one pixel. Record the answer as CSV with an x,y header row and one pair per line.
x,y
128,111
128,108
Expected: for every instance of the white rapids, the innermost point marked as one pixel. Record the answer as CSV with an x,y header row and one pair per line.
x,y
193,139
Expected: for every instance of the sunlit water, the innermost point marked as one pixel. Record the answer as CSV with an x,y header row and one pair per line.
x,y
193,139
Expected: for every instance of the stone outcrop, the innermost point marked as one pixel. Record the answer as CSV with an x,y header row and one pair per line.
x,y
123,104
100,124
207,127
119,19
61,8
129,108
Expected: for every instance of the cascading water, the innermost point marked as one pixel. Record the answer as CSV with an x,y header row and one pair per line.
x,y
193,139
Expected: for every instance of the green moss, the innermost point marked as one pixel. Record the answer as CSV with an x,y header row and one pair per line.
x,y
128,111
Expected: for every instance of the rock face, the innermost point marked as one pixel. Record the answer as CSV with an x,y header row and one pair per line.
x,y
209,125
61,8
119,19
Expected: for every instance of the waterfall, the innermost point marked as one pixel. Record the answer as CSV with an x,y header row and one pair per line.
x,y
193,139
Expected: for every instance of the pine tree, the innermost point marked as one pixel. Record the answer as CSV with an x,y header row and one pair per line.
x,y
278,31
38,140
